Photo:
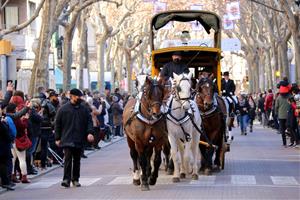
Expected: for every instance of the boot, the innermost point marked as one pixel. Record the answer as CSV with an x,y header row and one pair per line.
x,y
14,179
24,179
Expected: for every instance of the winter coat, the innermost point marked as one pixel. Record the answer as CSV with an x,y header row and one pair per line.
x,y
34,124
117,112
5,141
282,106
291,121
252,110
72,125
260,104
269,101
227,87
172,67
284,87
243,108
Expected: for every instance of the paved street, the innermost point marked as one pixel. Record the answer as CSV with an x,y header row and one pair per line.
x,y
257,167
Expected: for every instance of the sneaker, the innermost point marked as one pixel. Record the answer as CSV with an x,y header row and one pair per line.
x,y
76,184
65,183
292,144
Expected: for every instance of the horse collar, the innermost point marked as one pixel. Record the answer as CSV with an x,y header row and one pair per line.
x,y
140,116
209,112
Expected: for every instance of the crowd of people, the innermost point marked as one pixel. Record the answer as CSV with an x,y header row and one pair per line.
x,y
280,111
31,138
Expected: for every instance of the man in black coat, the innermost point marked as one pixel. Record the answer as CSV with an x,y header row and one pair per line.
x,y
175,66
73,126
227,85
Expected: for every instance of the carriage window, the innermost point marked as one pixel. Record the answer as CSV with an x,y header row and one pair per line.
x,y
176,34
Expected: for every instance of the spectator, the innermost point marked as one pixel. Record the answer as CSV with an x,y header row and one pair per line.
x,y
252,113
292,122
269,104
73,125
6,140
117,112
21,126
243,111
281,108
261,109
34,132
48,113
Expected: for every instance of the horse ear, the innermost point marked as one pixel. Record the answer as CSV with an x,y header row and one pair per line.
x,y
190,75
176,77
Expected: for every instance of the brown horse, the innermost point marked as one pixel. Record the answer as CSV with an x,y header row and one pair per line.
x,y
213,126
144,125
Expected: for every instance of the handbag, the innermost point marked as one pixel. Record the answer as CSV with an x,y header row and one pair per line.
x,y
23,143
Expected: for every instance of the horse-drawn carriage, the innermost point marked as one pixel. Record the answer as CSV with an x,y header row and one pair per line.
x,y
184,118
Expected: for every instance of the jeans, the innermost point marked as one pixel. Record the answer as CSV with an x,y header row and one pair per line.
x,y
282,128
72,164
243,122
44,146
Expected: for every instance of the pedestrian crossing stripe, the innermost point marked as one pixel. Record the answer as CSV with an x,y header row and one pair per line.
x,y
284,180
233,180
43,183
243,180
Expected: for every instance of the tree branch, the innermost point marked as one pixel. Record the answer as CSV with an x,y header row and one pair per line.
x,y
23,25
3,6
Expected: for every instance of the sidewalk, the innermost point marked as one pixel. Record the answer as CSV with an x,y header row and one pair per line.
x,y
102,144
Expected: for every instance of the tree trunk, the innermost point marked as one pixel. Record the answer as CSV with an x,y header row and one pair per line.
x,y
83,53
67,60
284,60
100,58
129,71
296,41
269,70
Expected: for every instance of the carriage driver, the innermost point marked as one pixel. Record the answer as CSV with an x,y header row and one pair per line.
x,y
176,66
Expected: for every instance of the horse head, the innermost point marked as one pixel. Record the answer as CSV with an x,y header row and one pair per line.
x,y
205,93
182,88
154,92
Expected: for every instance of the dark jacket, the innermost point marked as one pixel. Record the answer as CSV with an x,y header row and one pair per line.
x,y
260,104
6,99
227,88
177,68
5,141
72,125
291,121
34,124
252,111
241,110
49,113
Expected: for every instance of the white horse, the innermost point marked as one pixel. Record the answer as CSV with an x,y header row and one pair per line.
x,y
182,135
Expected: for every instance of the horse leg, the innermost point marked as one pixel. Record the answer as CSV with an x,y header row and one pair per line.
x,y
195,151
157,162
174,150
169,165
203,158
134,157
143,156
184,150
136,171
209,153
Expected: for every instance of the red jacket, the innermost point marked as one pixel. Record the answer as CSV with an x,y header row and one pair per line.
x,y
285,89
269,101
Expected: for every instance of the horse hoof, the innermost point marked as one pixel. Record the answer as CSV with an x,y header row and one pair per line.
x,y
176,180
170,172
217,169
136,182
195,177
152,181
145,187
182,175
207,172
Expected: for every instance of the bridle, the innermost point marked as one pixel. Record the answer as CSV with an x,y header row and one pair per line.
x,y
178,89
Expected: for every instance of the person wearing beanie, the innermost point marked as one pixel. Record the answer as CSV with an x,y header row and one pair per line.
x,y
73,126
